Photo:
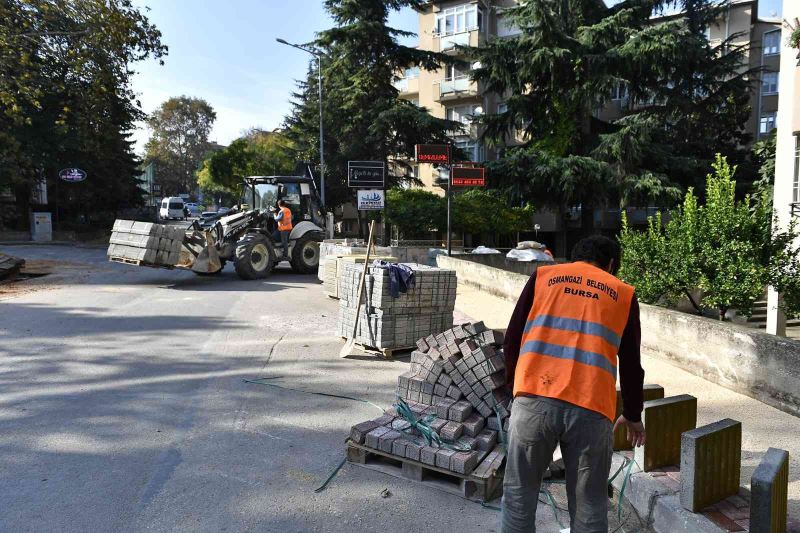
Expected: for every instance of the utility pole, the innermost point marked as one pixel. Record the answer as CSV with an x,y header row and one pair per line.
x,y
318,56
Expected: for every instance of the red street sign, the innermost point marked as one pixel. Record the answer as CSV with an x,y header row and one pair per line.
x,y
433,153
468,176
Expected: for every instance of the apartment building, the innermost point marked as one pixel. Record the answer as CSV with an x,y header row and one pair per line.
x,y
786,198
449,93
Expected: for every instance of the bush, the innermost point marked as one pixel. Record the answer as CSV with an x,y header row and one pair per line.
x,y
726,248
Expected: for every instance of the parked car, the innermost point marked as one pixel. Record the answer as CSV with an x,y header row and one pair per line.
x,y
207,218
194,208
172,208
224,210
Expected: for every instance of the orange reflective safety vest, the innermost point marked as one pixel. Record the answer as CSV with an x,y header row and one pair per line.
x,y
569,346
285,223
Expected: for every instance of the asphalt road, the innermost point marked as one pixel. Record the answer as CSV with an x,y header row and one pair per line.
x,y
123,408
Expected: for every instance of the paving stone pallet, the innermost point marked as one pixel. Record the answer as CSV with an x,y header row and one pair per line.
x,y
394,323
145,243
466,412
483,483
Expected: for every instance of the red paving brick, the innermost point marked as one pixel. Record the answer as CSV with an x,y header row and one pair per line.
x,y
723,521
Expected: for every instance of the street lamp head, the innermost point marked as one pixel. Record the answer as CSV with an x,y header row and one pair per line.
x,y
282,41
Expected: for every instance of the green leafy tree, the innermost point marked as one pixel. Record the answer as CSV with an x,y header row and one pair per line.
x,y
259,153
487,212
415,212
686,97
764,158
66,99
364,118
180,128
729,249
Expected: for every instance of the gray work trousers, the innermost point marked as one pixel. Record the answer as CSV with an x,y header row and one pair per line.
x,y
537,425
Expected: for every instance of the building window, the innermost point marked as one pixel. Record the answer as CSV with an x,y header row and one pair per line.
x,y
459,19
767,123
472,148
454,73
620,91
772,43
463,113
412,73
769,83
506,27
796,181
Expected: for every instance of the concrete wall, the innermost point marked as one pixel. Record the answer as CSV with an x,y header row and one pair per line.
x,y
497,282
765,367
762,366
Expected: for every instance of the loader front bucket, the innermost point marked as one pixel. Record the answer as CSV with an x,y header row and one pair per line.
x,y
207,261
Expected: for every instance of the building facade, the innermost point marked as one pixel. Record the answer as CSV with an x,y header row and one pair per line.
x,y
449,92
786,199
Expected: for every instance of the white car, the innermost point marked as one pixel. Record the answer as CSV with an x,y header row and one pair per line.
x,y
172,208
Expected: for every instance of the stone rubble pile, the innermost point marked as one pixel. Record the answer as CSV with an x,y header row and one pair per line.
x,y
145,242
388,322
458,377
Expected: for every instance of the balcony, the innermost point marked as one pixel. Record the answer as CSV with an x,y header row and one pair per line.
x,y
407,86
449,42
455,89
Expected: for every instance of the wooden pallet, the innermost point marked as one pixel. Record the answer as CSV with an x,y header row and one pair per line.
x,y
136,262
483,484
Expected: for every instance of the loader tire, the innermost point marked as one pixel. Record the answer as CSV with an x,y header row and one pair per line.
x,y
255,257
305,255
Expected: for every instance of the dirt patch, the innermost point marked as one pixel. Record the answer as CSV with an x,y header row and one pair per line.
x,y
40,274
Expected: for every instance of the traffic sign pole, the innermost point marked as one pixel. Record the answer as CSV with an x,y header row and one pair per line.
x,y
449,209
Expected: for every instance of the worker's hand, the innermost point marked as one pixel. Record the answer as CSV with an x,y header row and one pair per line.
x,y
636,435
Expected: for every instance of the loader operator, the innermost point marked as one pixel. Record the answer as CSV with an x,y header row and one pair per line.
x,y
284,219
570,324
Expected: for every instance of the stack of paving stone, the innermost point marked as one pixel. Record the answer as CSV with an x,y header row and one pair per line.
x,y
392,323
443,382
145,242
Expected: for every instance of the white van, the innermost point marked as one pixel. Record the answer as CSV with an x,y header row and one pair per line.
x,y
171,207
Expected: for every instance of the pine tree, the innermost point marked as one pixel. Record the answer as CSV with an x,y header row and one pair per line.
x,y
687,100
364,118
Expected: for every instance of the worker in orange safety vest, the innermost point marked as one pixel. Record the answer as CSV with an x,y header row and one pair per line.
x,y
284,219
570,326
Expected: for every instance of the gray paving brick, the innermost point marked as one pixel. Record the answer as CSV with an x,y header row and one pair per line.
x,y
372,438
452,431
358,433
474,425
769,488
443,457
413,451
464,462
428,455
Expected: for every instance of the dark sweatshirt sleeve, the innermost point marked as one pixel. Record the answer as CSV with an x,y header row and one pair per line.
x,y
516,327
631,374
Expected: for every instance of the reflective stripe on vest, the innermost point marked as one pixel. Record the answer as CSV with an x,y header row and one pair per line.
x,y
285,223
570,342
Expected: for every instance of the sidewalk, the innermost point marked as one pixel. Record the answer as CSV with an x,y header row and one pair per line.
x,y
762,426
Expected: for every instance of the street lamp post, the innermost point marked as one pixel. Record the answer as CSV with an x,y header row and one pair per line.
x,y
318,56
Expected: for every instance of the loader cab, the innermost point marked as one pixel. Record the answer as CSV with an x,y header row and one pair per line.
x,y
299,193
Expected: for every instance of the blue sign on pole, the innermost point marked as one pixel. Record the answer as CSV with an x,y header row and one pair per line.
x,y
72,175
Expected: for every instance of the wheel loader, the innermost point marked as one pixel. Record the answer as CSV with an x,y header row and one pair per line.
x,y
246,236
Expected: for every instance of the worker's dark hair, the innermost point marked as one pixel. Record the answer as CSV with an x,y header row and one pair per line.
x,y
599,250
281,203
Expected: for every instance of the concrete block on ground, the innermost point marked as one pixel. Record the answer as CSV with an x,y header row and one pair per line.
x,y
769,493
650,392
665,421
711,461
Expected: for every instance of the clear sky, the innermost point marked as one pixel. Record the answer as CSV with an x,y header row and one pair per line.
x,y
225,52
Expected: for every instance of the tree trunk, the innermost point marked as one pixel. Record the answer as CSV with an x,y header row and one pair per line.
x,y
694,304
722,311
